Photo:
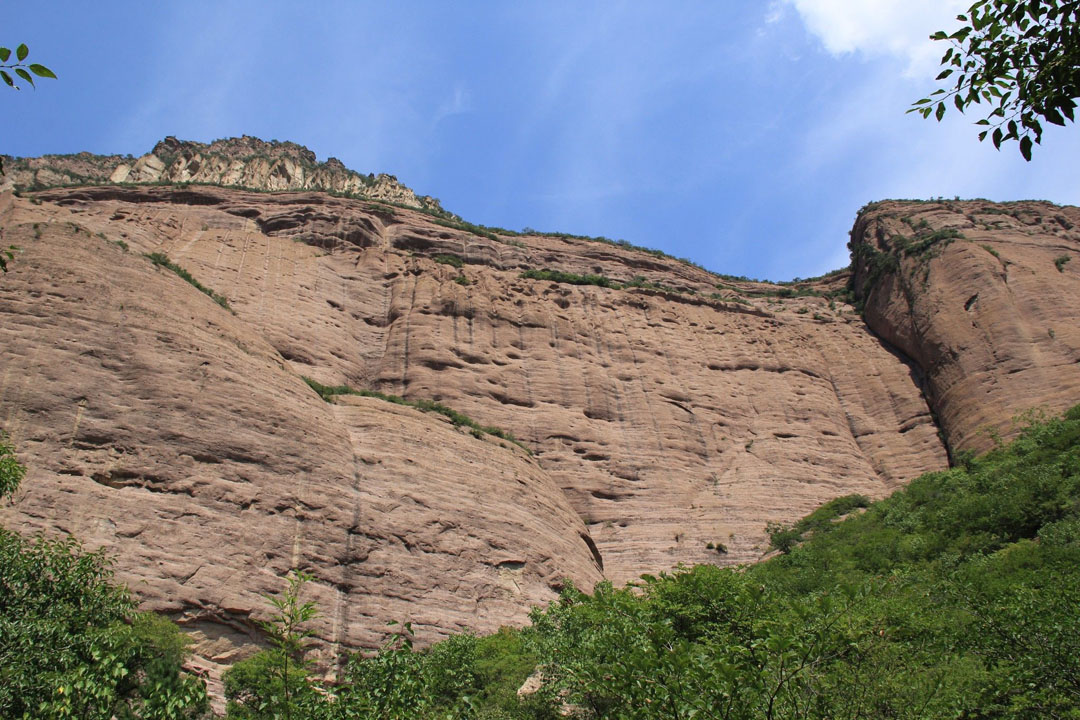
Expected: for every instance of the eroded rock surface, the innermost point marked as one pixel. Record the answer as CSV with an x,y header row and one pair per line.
x,y
159,425
985,297
664,418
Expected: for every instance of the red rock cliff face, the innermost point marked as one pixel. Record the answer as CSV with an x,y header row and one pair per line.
x,y
661,419
985,298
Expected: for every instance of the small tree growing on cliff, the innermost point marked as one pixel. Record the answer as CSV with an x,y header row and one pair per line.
x,y
11,472
273,681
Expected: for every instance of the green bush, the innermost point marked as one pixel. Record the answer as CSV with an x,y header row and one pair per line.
x,y
11,471
924,242
1059,262
452,260
569,278
72,644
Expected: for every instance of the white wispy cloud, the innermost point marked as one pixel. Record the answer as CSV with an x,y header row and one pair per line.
x,y
880,27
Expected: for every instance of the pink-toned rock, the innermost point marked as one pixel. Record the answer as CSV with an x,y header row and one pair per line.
x,y
182,437
991,316
159,425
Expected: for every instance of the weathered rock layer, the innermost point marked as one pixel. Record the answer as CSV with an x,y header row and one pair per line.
x,y
241,162
665,420
985,298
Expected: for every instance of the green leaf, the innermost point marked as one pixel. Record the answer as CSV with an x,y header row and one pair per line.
x,y
41,71
1053,116
1025,148
997,138
7,79
25,76
944,74
21,52
940,111
4,54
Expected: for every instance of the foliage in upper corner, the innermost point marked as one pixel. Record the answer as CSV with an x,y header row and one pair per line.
x,y
23,70
163,260
1021,58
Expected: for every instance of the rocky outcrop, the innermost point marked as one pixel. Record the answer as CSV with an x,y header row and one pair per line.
x,y
246,162
985,297
669,415
157,424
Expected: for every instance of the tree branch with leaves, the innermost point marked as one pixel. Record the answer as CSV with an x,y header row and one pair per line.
x,y
1021,58
26,71
23,70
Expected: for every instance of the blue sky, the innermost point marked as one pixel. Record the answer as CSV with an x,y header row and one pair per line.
x,y
742,135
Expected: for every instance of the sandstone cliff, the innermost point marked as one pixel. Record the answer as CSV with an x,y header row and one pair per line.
x,y
665,419
985,298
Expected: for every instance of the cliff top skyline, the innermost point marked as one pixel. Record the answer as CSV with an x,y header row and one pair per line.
x,y
743,138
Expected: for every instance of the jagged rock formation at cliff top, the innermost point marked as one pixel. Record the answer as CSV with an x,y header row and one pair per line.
x,y
246,162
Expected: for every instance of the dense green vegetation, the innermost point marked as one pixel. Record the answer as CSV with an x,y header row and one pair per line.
x,y
326,392
959,596
72,644
163,260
